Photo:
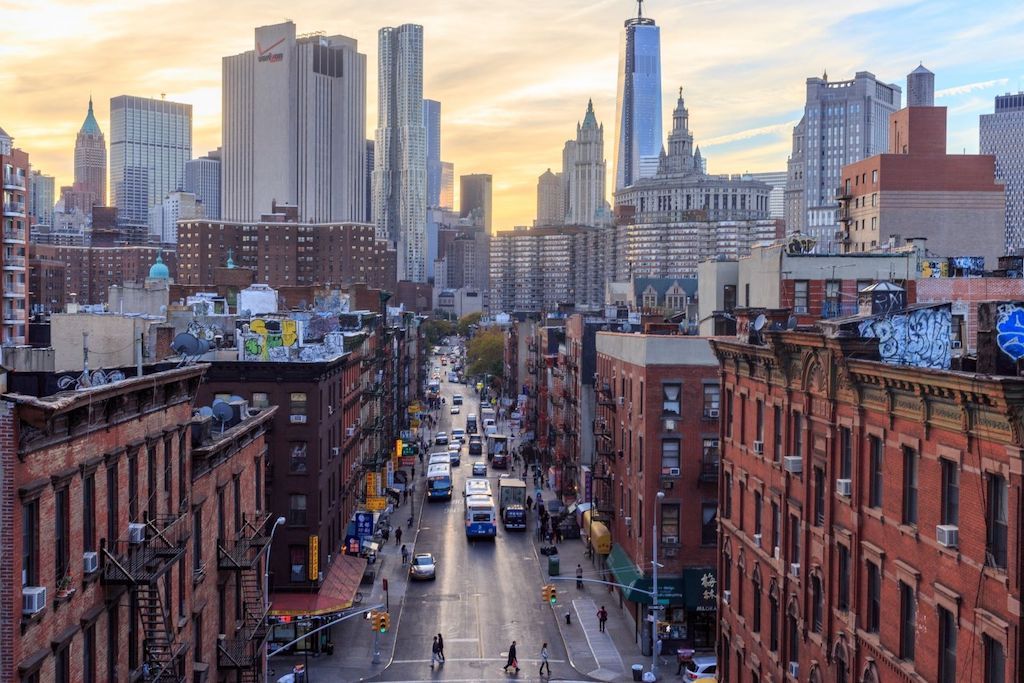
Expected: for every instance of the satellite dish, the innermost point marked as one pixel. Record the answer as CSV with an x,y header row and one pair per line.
x,y
625,327
223,412
759,322
206,411
791,323
235,397
185,344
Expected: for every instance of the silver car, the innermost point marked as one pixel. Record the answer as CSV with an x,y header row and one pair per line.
x,y
422,567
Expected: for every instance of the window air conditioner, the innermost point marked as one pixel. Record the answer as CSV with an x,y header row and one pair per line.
x,y
794,570
297,419
726,596
673,471
757,540
759,447
712,413
793,464
622,400
844,487
628,521
136,533
33,599
948,535
956,344
670,539
350,431
775,552
90,563
794,669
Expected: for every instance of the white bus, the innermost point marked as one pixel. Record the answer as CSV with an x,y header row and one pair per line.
x,y
477,487
480,517
439,481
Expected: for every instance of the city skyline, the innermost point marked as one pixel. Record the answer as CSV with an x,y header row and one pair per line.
x,y
745,88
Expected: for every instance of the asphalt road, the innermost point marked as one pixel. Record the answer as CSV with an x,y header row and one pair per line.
x,y
486,594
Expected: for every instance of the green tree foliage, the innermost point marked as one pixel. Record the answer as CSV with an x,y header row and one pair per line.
x,y
466,321
485,352
436,329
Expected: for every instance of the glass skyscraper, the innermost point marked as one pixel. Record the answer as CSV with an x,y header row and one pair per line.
x,y
638,106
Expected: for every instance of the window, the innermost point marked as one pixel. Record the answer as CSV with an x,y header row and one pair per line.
x,y
30,543
800,296
710,459
759,421
995,661
168,473
182,479
843,588
909,486
89,512
298,402
755,621
151,481
727,503
197,540
712,395
773,622
297,510
874,597
819,496
670,398
947,646
817,603
875,473
670,456
794,539
845,453
297,560
728,413
237,494
709,523
908,619
670,523
777,429
297,462
798,434
197,636
221,522
260,400
831,307
62,665
757,512
996,519
61,537
793,634
112,511
950,512
133,489
113,644
89,654
776,523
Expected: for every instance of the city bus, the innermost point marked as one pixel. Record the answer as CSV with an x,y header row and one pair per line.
x,y
439,481
480,518
477,487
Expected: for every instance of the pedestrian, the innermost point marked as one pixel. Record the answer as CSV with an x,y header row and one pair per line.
x,y
440,647
386,534
579,577
602,616
434,653
529,503
512,661
544,659
398,535
405,555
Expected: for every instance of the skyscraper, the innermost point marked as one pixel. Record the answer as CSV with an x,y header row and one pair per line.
x,y
549,199
150,141
294,127
371,156
40,199
447,198
777,181
587,169
91,159
475,198
1002,135
638,104
432,125
202,178
921,88
400,173
843,122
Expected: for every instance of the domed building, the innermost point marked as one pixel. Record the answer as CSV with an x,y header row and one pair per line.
x,y
159,270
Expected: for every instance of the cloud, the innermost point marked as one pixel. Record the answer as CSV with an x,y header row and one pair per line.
x,y
970,87
775,129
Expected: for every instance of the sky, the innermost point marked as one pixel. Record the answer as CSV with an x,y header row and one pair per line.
x,y
513,77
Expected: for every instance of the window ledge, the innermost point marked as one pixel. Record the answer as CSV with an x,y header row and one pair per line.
x,y
909,530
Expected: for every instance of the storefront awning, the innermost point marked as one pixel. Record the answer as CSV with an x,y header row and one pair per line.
x,y
687,589
336,592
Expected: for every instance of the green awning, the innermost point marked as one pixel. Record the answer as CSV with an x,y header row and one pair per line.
x,y
671,589
622,568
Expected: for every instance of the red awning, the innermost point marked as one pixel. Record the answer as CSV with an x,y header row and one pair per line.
x,y
336,592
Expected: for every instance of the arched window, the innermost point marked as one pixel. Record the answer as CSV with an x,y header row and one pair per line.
x,y
817,602
755,599
773,616
793,631
840,662
870,674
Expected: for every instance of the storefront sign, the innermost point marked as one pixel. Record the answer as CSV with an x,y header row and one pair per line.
x,y
314,558
376,503
364,525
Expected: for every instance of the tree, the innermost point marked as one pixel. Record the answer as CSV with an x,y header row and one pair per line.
x,y
435,329
485,352
467,321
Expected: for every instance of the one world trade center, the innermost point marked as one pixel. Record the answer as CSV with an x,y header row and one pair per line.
x,y
638,106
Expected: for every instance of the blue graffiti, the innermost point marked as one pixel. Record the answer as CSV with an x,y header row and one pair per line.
x,y
1010,326
919,338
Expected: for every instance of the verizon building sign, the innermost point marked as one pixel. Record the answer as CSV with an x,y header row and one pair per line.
x,y
267,54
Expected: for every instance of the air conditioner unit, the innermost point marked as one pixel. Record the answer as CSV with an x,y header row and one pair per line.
x,y
948,535
297,419
712,413
794,669
330,410
793,464
670,539
799,309
956,344
628,521
350,431
757,540
90,563
794,570
33,599
775,552
673,471
335,450
844,487
726,596
622,400
759,447
136,533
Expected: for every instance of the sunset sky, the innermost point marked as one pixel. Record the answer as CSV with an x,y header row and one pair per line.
x,y
514,77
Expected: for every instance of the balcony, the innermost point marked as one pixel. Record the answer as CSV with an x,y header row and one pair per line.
x,y
838,309
12,181
842,193
16,209
14,235
14,262
14,290
710,463
14,316
160,543
243,552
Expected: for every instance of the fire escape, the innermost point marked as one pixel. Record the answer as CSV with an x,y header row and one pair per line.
x,y
604,444
241,554
152,548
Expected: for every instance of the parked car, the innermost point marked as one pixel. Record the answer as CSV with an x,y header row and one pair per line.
x,y
699,666
423,567
441,439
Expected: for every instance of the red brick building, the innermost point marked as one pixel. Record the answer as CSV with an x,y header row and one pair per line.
x,y
870,515
656,432
14,192
114,515
90,271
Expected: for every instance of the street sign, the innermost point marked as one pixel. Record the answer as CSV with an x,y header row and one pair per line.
x,y
314,557
664,601
376,503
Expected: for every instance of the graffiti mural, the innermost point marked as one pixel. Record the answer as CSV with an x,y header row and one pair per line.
x,y
966,266
206,331
934,268
1010,330
284,340
920,337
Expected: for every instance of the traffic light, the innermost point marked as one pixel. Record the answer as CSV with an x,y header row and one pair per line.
x,y
376,621
385,622
545,592
554,595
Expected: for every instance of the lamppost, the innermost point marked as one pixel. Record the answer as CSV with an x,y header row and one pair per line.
x,y
266,589
655,607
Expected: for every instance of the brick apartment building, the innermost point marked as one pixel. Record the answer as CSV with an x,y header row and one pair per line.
x,y
137,535
870,512
14,193
656,431
90,271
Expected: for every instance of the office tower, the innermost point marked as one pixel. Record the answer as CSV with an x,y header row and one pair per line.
x,y
400,167
568,159
294,120
370,160
432,125
40,199
777,181
91,159
1002,135
447,198
475,198
587,171
920,87
150,141
549,199
843,122
164,217
638,104
13,285
202,178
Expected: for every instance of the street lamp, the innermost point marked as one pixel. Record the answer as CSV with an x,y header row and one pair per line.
x,y
266,589
655,607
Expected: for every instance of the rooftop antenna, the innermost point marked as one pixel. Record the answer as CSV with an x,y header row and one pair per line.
x,y
639,9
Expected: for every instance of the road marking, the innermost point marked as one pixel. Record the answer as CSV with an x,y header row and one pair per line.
x,y
474,659
462,640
